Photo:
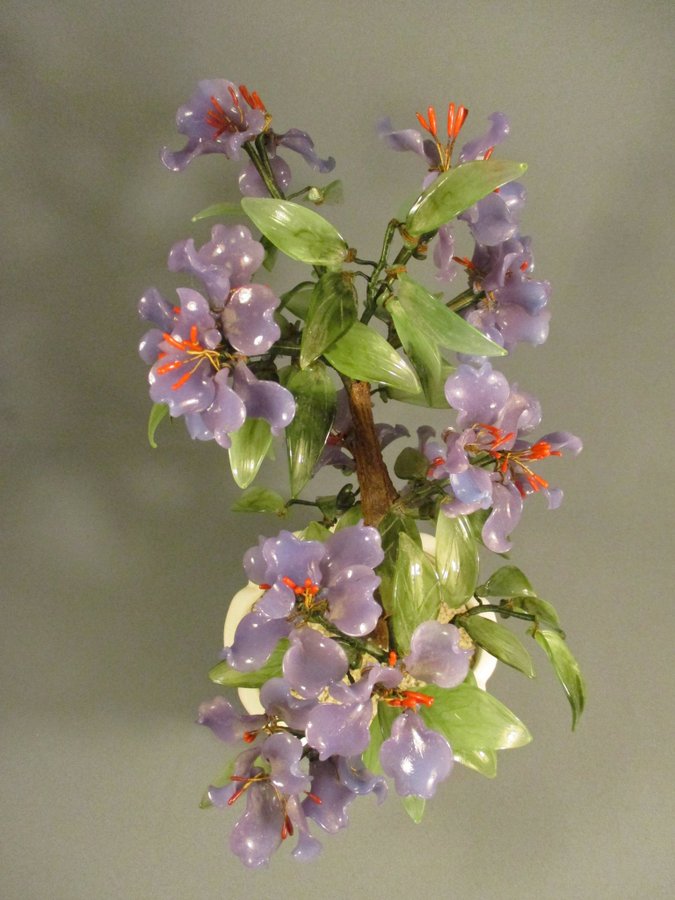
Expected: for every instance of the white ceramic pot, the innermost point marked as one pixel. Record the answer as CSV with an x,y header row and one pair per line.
x,y
243,601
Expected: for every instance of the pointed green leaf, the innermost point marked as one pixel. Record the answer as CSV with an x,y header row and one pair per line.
x,y
364,355
506,582
315,403
472,719
249,448
352,517
416,594
223,674
499,642
297,231
427,314
414,806
332,310
566,668
411,464
220,210
158,412
422,352
481,761
315,531
456,558
297,301
543,610
391,526
458,189
258,499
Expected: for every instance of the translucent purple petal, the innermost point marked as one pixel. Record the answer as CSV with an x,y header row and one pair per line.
x,y
407,139
248,319
149,347
473,486
301,143
521,412
226,414
564,441
386,434
254,640
506,511
219,796
436,656
284,754
352,606
354,775
444,250
312,662
340,729
491,221
358,544
479,394
496,133
331,812
287,556
153,307
264,399
252,185
257,834
225,722
278,602
307,847
516,325
277,700
415,757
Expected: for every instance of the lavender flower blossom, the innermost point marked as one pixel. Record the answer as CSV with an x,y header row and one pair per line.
x,y
416,757
437,655
487,464
218,118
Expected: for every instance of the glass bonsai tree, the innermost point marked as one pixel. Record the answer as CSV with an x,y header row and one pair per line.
x,y
361,637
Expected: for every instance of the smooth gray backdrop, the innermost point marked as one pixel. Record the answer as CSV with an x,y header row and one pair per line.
x,y
118,561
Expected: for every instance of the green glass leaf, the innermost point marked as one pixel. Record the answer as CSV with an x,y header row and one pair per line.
x,y
249,448
221,781
364,355
158,412
258,499
391,526
332,311
416,594
224,674
482,761
271,252
506,582
566,668
352,517
458,189
472,719
220,210
411,464
414,806
315,403
456,558
498,641
543,610
297,301
440,325
315,531
297,231
422,352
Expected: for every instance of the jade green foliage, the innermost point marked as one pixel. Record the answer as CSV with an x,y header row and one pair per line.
x,y
297,231
332,311
416,591
250,446
223,674
364,355
458,189
258,499
315,398
499,641
158,412
456,559
565,667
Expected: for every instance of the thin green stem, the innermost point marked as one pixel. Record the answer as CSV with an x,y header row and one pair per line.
x,y
501,610
466,298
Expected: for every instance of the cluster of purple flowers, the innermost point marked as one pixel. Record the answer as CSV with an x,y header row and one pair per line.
x,y
303,756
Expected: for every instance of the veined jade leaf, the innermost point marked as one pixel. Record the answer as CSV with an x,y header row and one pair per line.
x,y
458,189
422,352
566,668
221,210
456,558
259,499
224,674
482,761
508,581
332,310
315,403
414,806
416,594
499,642
472,719
249,447
364,355
297,231
440,325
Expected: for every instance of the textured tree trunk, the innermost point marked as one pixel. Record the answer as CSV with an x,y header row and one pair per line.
x,y
377,491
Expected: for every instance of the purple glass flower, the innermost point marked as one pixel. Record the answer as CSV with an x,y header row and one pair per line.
x,y
262,827
416,757
252,185
487,464
227,724
437,656
218,118
312,662
155,309
336,782
334,578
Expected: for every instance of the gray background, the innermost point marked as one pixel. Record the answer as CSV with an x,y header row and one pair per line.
x,y
119,560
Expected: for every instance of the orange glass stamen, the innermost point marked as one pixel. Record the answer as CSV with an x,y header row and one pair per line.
x,y
252,98
264,587
249,736
313,797
488,153
431,115
393,656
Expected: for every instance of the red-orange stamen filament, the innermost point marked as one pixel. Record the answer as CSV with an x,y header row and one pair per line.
x,y
488,153
462,113
423,122
431,114
313,797
393,656
249,736
264,587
